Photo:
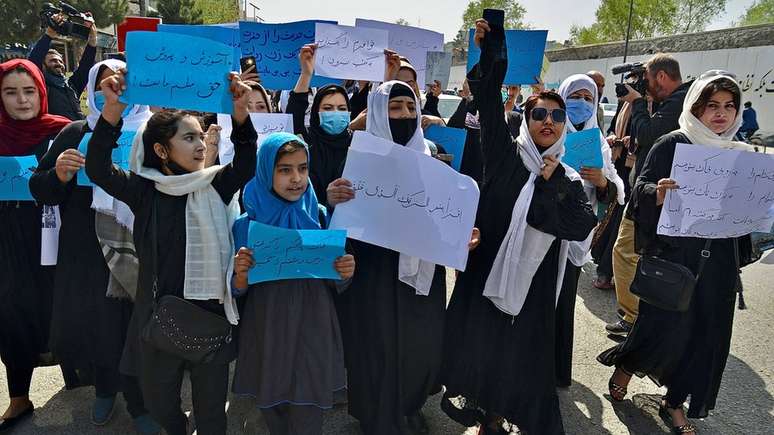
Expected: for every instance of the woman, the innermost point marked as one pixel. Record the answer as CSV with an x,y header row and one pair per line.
x,y
602,186
685,351
26,128
258,100
393,314
498,365
291,357
191,210
88,326
328,133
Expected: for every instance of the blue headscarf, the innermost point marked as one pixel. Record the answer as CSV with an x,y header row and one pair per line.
x,y
265,206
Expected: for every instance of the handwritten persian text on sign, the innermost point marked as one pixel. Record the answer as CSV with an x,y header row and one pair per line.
x,y
583,149
263,123
223,34
120,154
722,193
15,173
408,202
525,55
346,52
180,71
438,68
281,253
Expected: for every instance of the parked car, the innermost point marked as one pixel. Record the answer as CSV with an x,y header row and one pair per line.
x,y
609,109
447,105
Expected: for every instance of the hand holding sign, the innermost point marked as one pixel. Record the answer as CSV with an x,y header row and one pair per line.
x,y
112,88
583,149
15,173
346,52
68,164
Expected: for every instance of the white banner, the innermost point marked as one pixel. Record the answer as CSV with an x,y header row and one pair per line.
x,y
722,193
408,202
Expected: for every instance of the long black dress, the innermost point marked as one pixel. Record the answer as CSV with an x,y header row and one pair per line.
x,y
25,287
494,362
87,328
685,351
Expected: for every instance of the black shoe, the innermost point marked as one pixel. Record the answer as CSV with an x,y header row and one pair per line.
x,y
622,327
8,423
621,313
417,423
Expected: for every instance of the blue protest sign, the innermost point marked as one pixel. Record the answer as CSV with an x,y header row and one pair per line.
x,y
276,47
280,253
451,139
583,149
227,34
120,154
525,55
15,173
179,71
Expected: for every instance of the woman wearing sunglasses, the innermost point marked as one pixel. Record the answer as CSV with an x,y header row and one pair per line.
x,y
499,347
685,351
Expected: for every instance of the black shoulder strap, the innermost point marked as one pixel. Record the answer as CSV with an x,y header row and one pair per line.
x,y
155,243
705,254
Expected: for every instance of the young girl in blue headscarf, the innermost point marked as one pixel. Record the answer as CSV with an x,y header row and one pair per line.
x,y
290,350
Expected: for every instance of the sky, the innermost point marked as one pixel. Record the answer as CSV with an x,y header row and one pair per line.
x,y
445,16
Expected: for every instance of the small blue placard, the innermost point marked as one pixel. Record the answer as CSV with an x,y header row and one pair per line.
x,y
120,154
525,55
15,173
178,71
583,149
451,139
281,253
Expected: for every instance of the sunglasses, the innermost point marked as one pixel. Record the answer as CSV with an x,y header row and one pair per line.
x,y
540,114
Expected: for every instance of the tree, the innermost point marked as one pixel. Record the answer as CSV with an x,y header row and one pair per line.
x,y
179,12
650,18
694,15
218,11
402,22
760,12
22,22
514,13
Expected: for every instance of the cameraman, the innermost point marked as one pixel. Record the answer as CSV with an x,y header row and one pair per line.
x,y
667,91
63,93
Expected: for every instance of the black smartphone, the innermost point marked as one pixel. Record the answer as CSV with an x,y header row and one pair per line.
x,y
494,42
247,62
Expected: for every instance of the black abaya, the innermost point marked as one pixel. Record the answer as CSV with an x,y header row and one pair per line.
x,y
686,351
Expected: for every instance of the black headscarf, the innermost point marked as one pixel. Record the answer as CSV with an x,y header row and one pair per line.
x,y
327,152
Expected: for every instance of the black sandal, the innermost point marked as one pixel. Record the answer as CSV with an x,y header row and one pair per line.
x,y
617,392
663,412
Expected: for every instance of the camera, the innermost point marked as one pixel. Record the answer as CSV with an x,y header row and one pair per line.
x,y
635,76
74,23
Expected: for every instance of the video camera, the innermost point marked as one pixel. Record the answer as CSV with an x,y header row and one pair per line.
x,y
635,76
74,23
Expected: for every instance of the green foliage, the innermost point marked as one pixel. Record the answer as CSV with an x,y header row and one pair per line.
x,y
650,18
218,11
760,12
179,12
514,13
694,15
402,22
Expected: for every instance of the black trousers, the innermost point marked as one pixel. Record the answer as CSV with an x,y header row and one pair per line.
x,y
108,382
161,380
19,380
289,419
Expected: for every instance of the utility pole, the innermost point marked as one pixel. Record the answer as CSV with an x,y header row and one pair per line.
x,y
628,31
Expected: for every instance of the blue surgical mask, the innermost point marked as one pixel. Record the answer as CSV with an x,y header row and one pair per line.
x,y
579,110
99,103
334,122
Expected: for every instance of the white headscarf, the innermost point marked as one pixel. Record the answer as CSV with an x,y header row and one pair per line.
x,y
695,130
411,270
209,245
523,248
580,251
101,201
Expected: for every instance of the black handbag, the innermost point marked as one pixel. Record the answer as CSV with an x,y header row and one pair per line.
x,y
181,328
665,284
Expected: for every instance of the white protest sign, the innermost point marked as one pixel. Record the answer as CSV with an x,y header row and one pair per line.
x,y
408,202
411,42
345,52
264,124
722,193
438,68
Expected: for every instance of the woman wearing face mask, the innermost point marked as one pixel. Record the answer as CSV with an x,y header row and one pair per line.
x,y
602,186
685,351
26,128
328,133
394,312
183,217
498,364
89,321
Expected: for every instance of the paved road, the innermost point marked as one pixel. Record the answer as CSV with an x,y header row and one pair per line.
x,y
745,404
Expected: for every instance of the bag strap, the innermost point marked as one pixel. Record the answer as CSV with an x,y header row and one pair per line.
x,y
705,254
155,244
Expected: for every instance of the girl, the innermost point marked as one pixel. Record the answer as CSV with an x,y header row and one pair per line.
x,y
191,209
328,133
602,186
88,328
26,128
290,352
499,349
686,351
258,101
